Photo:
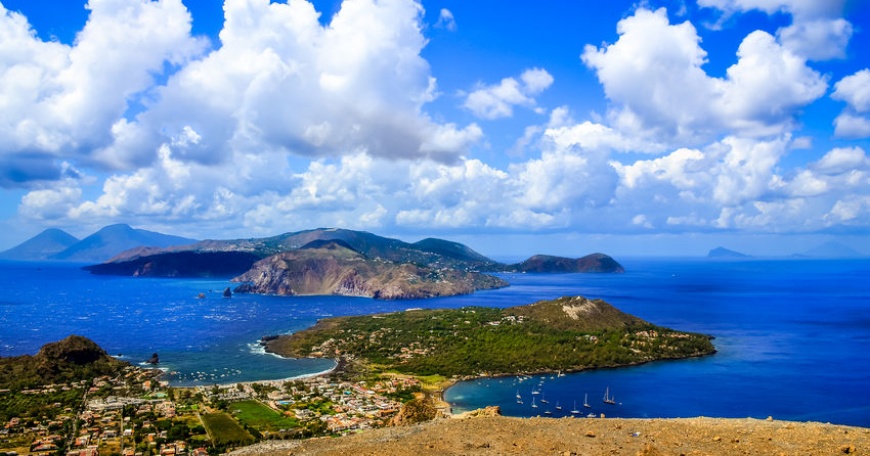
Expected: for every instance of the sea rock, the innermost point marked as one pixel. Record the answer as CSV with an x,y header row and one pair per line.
x,y
154,359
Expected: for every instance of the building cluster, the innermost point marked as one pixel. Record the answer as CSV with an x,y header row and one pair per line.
x,y
136,423
351,405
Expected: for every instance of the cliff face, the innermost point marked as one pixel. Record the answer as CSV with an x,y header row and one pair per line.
x,y
333,268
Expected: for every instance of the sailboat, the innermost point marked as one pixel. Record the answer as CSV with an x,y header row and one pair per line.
x,y
533,403
608,399
586,401
558,407
544,401
518,395
574,410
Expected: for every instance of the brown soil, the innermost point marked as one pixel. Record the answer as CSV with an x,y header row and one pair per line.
x,y
581,436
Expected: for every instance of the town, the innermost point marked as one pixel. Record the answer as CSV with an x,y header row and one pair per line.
x,y
136,414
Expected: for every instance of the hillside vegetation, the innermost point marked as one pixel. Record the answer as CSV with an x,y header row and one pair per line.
x,y
570,333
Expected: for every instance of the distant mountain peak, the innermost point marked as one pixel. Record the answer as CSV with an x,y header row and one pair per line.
x,y
41,246
111,240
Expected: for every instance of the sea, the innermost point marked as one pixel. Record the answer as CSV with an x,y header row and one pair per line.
x,y
792,336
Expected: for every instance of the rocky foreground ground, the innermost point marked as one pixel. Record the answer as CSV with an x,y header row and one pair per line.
x,y
496,435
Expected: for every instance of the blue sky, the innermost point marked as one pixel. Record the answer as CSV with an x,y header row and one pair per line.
x,y
658,127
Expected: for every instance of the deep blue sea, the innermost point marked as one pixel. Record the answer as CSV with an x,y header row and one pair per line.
x,y
793,336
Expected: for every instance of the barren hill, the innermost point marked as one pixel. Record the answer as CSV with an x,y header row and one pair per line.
x,y
568,436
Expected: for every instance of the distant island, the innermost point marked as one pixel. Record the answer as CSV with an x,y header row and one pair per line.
x,y
331,261
723,253
565,334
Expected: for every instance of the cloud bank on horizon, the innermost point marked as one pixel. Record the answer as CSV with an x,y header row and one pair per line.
x,y
292,120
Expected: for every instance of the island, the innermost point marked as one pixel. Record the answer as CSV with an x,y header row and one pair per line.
x,y
566,334
332,261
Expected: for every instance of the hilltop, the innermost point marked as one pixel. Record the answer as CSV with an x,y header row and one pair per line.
x,y
569,333
71,359
335,268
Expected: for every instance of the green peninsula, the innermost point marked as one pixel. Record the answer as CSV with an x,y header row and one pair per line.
x,y
565,334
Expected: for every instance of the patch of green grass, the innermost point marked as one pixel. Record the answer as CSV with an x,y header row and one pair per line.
x,y
434,379
225,431
260,417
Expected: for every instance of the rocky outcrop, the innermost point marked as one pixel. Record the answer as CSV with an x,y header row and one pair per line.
x,y
333,268
415,411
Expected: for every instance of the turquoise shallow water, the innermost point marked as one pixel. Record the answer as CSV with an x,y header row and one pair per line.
x,y
793,336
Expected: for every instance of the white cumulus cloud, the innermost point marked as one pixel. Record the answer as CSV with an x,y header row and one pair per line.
x,y
61,101
282,81
653,75
446,20
855,91
497,101
817,31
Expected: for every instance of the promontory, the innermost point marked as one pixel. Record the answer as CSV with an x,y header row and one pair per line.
x,y
565,334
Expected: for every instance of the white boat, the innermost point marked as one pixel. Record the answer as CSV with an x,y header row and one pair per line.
x,y
518,395
544,401
586,401
574,410
533,403
558,407
590,415
608,399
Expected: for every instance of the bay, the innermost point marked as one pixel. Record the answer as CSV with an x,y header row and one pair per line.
x,y
792,335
